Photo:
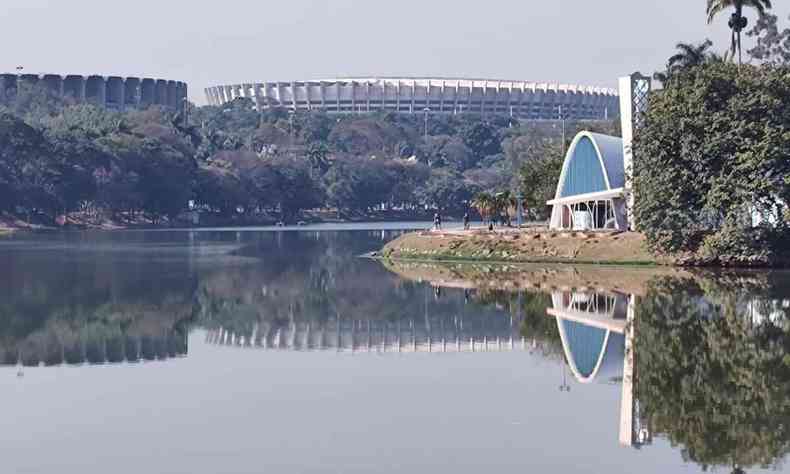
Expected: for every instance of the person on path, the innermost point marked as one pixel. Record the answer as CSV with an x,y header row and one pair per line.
x,y
439,216
436,221
466,221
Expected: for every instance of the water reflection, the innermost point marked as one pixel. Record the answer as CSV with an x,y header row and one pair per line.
x,y
434,334
700,361
52,350
703,358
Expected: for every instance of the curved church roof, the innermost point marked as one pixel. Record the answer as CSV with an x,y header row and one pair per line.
x,y
594,163
591,352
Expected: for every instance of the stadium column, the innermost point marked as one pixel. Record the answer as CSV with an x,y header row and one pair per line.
x,y
101,95
122,96
441,96
83,90
457,94
413,94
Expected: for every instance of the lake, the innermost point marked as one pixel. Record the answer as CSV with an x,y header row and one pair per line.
x,y
284,351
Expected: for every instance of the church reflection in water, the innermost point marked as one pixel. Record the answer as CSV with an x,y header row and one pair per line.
x,y
597,337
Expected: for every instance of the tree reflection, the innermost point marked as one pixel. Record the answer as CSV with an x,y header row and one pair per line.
x,y
713,367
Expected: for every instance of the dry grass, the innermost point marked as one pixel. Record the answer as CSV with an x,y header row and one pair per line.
x,y
524,246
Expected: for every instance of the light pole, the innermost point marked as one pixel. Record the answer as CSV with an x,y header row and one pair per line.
x,y
519,208
426,110
562,118
564,387
291,127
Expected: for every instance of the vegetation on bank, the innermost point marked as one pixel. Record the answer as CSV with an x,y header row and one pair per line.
x,y
524,247
712,173
234,163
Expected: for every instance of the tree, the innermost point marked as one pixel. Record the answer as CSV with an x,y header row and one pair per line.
x,y
446,191
220,189
296,190
505,204
482,139
737,21
688,56
713,149
773,46
539,176
485,205
318,156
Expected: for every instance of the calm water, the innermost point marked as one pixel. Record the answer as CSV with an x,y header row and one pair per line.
x,y
281,351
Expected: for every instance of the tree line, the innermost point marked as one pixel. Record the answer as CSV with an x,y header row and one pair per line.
x,y
231,162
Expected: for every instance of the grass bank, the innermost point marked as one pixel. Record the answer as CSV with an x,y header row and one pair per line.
x,y
526,246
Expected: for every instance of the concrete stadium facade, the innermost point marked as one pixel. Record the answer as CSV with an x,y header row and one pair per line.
x,y
526,100
113,92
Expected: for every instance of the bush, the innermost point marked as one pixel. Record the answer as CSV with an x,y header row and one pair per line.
x,y
739,246
714,144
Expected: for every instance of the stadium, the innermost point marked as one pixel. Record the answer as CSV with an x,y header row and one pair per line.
x,y
521,99
112,92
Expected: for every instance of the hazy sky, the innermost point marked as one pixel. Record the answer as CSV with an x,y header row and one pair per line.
x,y
228,41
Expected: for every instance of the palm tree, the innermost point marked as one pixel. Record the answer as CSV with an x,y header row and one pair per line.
x,y
504,203
688,56
737,21
485,205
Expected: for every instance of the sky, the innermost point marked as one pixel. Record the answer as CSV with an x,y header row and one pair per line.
x,y
232,41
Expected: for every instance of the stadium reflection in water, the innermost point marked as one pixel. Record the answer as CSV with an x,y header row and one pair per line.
x,y
95,349
594,328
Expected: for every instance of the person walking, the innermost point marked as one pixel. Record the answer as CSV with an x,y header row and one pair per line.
x,y
466,221
436,221
439,216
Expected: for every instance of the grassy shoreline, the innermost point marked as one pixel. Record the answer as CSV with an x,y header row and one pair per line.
x,y
527,246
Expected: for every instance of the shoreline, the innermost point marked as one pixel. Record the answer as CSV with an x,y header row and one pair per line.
x,y
9,224
540,245
523,246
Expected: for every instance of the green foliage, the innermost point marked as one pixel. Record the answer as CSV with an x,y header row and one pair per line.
x,y
539,177
713,148
773,46
61,158
688,56
446,191
482,139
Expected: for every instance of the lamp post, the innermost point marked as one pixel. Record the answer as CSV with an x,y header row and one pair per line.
x,y
562,118
426,110
564,387
519,208
291,127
